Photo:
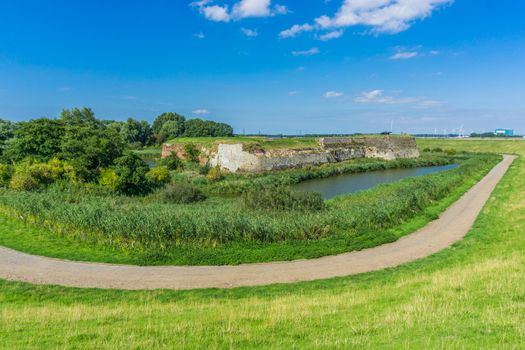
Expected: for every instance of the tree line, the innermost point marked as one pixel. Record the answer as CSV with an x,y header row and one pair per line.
x,y
80,148
44,136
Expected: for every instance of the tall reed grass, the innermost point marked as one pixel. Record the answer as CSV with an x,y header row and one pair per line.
x,y
136,223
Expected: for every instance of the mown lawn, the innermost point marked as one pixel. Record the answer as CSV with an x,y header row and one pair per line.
x,y
471,296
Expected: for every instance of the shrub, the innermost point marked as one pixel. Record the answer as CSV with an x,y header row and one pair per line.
x,y
131,171
214,174
283,199
437,150
252,148
204,169
109,179
6,172
30,177
181,193
427,149
451,152
172,162
192,152
61,169
159,175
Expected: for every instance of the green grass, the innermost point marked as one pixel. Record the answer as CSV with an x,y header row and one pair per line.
x,y
265,142
299,142
471,296
223,231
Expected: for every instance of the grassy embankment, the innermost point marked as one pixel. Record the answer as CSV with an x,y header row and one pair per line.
x,y
223,230
471,296
266,143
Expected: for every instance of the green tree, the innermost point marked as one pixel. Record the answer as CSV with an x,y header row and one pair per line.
x,y
7,132
167,117
170,130
136,133
131,172
207,128
88,144
197,128
76,117
38,138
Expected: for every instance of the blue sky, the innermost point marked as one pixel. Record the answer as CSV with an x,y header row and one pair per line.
x,y
287,66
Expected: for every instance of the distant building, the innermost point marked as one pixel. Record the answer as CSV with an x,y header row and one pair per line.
x,y
504,132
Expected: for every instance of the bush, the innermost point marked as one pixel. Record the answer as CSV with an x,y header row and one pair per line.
x,y
437,150
30,177
451,152
159,175
427,149
172,162
109,179
283,199
181,193
192,153
6,172
204,169
214,174
61,169
131,171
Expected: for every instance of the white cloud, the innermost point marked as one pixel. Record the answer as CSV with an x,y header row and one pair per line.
x,y
378,97
335,34
201,111
311,52
293,93
241,9
216,13
295,30
382,16
371,96
252,8
333,94
405,55
434,53
249,32
199,35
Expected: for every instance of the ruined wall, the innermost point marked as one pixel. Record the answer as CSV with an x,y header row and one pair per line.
x,y
233,157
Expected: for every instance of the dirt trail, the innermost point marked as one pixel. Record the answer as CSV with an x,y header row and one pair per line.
x,y
452,226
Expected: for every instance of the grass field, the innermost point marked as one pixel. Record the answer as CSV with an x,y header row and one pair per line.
x,y
471,296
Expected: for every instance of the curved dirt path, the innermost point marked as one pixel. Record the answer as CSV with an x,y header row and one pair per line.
x,y
453,225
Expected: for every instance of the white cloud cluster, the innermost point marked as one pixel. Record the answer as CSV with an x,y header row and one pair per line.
x,y
382,16
251,33
403,53
310,52
201,111
379,97
296,30
241,9
331,35
406,55
333,94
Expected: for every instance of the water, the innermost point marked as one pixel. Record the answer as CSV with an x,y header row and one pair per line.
x,y
343,184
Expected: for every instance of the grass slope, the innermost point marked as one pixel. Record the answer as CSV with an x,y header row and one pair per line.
x,y
471,296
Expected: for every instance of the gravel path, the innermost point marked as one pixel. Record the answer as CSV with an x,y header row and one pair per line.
x,y
452,226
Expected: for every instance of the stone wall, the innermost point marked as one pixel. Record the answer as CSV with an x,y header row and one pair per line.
x,y
233,157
